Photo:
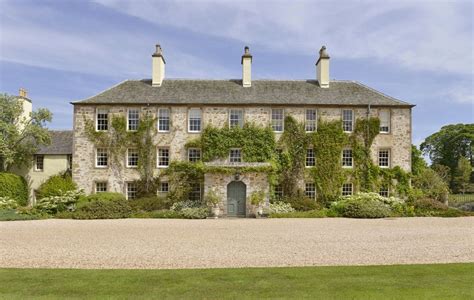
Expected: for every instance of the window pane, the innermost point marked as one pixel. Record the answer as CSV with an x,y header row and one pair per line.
x,y
101,157
194,120
132,189
384,116
195,194
163,188
347,158
310,190
347,189
132,157
133,119
194,154
163,157
384,158
163,119
277,119
235,156
102,119
310,158
384,192
311,120
347,120
100,187
236,118
39,162
278,192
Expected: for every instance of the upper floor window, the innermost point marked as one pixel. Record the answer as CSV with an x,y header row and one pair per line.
x,y
164,119
384,116
236,118
194,154
310,158
311,120
163,157
101,187
194,120
132,190
39,162
101,158
133,119
310,190
347,189
384,158
347,159
347,120
132,158
277,119
235,156
102,118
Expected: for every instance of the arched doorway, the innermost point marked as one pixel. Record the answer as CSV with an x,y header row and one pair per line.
x,y
236,194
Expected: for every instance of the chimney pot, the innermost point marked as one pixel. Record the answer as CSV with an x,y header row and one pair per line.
x,y
322,68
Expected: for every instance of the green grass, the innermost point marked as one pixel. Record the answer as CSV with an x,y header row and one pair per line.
x,y
443,281
12,215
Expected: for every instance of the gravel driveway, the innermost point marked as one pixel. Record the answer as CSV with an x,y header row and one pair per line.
x,y
161,243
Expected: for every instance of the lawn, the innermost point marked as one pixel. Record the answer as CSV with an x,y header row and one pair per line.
x,y
443,281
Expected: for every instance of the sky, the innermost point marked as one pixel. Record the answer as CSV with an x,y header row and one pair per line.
x,y
417,51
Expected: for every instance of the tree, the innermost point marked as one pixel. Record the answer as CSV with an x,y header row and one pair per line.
x,y
448,145
443,171
462,175
20,137
418,163
431,185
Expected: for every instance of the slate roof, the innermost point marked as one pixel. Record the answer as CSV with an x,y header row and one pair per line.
x,y
61,143
231,92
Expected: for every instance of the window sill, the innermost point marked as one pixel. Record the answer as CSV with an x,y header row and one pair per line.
x,y
162,167
101,167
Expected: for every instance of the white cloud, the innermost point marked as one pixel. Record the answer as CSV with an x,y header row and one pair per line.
x,y
417,35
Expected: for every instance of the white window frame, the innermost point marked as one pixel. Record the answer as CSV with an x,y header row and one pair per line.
x,y
240,121
276,122
387,158
97,158
310,190
343,157
347,189
384,191
41,157
161,190
164,119
385,123
97,184
159,157
137,110
195,158
233,158
310,161
195,192
134,150
101,111
351,121
311,125
129,190
190,119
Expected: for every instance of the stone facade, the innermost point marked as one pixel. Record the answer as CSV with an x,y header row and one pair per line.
x,y
85,173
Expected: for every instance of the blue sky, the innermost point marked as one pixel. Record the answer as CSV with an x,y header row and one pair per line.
x,y
418,51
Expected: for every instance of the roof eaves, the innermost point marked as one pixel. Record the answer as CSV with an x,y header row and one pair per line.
x,y
112,87
385,95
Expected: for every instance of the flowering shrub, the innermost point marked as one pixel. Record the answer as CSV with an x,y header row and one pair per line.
x,y
65,202
364,205
8,203
179,206
280,207
195,212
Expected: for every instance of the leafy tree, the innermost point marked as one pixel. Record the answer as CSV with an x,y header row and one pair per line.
x,y
20,138
443,171
418,163
431,185
462,175
448,145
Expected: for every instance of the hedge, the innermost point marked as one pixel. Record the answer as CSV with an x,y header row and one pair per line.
x,y
14,186
55,186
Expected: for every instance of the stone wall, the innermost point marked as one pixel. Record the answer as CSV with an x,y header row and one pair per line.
x,y
85,174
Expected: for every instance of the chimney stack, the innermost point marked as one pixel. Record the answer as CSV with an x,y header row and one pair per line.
x,y
23,93
322,68
246,68
158,67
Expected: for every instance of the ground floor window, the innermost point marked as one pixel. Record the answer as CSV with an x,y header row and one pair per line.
x,y
132,189
100,187
310,190
384,191
347,189
278,192
195,193
235,156
39,162
163,188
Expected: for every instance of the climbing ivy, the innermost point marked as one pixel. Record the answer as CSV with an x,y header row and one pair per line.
x,y
328,174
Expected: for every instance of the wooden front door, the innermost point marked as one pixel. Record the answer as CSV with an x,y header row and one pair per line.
x,y
236,194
